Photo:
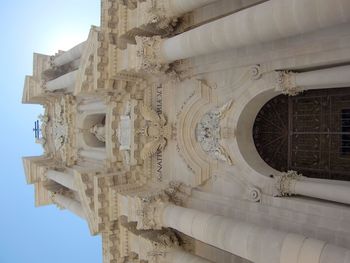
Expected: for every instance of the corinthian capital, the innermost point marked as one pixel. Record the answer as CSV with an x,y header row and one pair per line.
x,y
149,56
159,14
286,83
285,183
145,205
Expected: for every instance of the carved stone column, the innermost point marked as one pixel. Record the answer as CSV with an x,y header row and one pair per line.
x,y
291,83
70,55
65,82
99,155
292,183
62,178
268,21
93,106
70,204
156,211
249,241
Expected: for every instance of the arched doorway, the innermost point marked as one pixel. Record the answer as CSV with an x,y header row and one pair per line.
x,y
308,133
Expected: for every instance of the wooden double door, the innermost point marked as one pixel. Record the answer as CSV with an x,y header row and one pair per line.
x,y
308,133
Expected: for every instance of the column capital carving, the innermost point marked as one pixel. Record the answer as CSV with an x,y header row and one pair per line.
x,y
285,182
158,14
149,58
145,206
286,83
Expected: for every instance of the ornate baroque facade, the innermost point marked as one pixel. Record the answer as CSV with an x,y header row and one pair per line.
x,y
148,130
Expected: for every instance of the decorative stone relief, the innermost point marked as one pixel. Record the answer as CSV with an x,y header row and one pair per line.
x,y
99,131
159,14
146,208
285,83
44,119
208,134
254,194
255,72
285,182
59,126
157,129
149,54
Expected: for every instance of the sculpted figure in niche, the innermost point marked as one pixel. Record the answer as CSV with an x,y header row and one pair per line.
x,y
99,131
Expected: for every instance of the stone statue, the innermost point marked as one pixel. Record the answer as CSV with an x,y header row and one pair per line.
x,y
99,131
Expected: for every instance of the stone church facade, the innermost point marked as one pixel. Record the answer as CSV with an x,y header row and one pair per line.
x,y
202,131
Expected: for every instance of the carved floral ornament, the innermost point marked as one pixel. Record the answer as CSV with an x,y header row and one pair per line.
x,y
285,182
286,83
146,208
159,14
149,54
208,133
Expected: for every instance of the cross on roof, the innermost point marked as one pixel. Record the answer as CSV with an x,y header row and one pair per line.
x,y
36,129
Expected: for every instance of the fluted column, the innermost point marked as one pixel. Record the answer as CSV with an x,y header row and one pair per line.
x,y
70,204
93,106
249,241
292,183
64,82
292,83
70,55
99,155
62,178
269,21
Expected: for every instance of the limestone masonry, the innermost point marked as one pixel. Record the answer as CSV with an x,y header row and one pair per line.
x,y
202,131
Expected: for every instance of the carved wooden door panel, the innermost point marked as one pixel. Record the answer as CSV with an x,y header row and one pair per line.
x,y
308,133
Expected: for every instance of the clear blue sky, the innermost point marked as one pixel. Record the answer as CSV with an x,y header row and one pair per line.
x,y
29,234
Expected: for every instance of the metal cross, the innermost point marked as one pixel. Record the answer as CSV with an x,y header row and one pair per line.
x,y
36,129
